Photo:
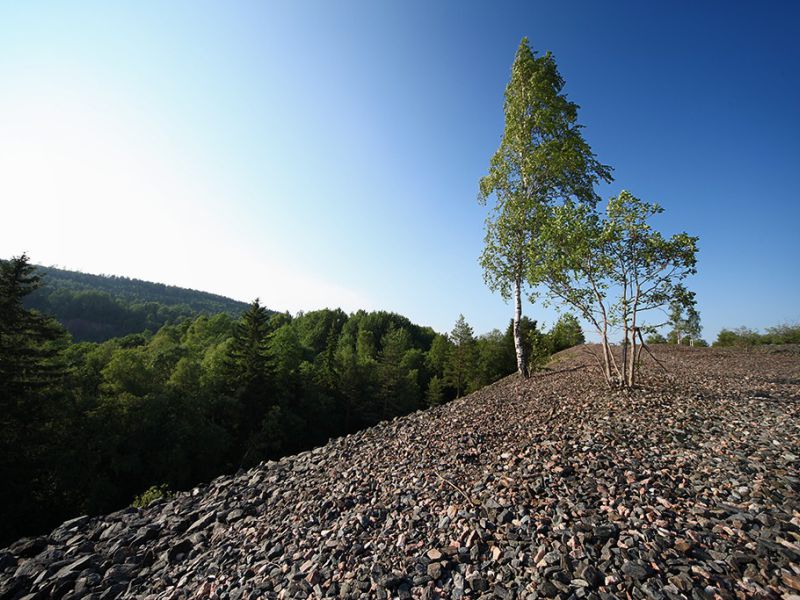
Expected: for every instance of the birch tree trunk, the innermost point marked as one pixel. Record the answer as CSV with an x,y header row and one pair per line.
x,y
522,360
634,331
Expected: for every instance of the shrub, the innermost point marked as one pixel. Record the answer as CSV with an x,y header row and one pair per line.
x,y
151,494
783,334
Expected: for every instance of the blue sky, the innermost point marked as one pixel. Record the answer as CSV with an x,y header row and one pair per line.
x,y
328,153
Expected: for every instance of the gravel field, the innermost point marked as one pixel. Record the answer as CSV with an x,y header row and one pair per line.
x,y
553,487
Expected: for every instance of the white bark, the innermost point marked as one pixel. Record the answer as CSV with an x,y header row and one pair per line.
x,y
522,366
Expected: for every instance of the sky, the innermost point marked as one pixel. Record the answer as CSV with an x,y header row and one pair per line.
x,y
322,153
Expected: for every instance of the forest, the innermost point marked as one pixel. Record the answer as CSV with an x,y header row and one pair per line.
x,y
96,308
87,427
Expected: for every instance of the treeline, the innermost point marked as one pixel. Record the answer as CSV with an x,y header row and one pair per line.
x,y
745,337
98,307
85,427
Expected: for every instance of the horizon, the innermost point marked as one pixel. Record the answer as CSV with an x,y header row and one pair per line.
x,y
314,156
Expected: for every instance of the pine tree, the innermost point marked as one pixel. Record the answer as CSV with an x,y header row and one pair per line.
x,y
398,392
249,367
461,362
434,396
30,343
32,403
566,333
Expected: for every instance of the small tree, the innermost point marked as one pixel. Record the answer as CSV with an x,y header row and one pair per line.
x,y
542,158
683,318
462,358
541,349
434,395
693,327
612,269
566,333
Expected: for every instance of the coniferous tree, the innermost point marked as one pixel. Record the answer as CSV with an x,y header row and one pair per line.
x,y
566,333
437,355
32,403
398,387
434,395
249,365
462,359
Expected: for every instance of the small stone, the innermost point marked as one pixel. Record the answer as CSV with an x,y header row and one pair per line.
x,y
793,581
72,569
234,515
634,570
477,583
501,592
203,521
306,566
434,554
28,547
552,557
178,551
313,577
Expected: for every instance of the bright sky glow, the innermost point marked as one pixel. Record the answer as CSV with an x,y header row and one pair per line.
x,y
327,154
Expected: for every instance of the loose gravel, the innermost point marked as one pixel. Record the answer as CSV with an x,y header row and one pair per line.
x,y
554,487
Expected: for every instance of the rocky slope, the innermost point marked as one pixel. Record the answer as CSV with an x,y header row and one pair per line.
x,y
552,487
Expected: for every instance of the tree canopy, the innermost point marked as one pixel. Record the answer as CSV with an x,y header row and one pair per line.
x,y
99,307
542,159
613,270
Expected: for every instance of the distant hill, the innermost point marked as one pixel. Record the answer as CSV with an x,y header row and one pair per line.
x,y
98,307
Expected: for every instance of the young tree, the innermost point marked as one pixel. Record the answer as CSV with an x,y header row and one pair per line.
x,y
612,270
655,338
542,159
461,361
693,326
541,349
434,395
684,319
566,333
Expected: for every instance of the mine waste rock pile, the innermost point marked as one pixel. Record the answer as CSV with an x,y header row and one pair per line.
x,y
549,488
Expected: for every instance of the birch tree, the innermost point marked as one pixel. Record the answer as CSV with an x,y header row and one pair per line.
x,y
542,159
614,270
684,320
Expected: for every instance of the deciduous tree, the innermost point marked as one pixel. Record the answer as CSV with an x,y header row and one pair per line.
x,y
612,269
542,159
